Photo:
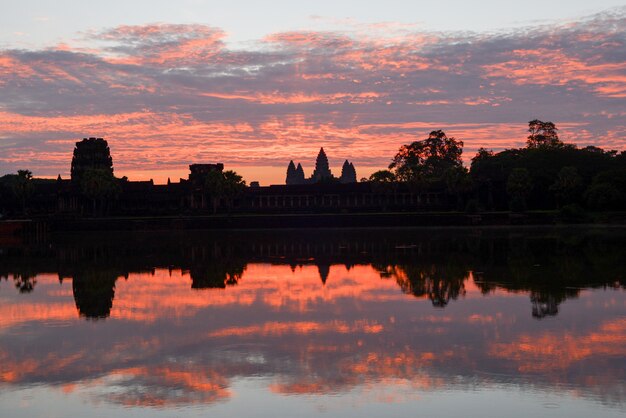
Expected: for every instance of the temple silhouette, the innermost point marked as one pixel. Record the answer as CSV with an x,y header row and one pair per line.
x,y
322,173
93,190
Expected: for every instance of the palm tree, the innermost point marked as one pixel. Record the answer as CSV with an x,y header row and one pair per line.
x,y
23,187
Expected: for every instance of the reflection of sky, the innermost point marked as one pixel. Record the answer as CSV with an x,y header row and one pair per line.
x,y
280,338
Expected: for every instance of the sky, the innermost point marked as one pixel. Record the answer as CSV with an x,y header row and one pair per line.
x,y
254,86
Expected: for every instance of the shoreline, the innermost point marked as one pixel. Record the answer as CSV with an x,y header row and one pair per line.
x,y
305,221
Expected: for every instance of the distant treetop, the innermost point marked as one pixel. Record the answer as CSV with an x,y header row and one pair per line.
x,y
543,135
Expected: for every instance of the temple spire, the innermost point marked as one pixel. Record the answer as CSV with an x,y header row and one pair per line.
x,y
348,173
291,173
322,170
300,174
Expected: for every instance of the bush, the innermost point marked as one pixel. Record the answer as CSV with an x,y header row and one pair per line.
x,y
572,213
517,204
472,206
603,196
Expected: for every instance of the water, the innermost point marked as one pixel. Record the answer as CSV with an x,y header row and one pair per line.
x,y
417,322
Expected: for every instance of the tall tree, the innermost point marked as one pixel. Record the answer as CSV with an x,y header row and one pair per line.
x,y
543,135
427,159
519,186
567,186
458,183
223,185
22,187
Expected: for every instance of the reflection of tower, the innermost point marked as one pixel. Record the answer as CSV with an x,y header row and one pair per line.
x,y
94,293
322,170
324,270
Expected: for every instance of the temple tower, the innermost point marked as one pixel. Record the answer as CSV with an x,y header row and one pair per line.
x,y
322,170
291,173
91,153
348,173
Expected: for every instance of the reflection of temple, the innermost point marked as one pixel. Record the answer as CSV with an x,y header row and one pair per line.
x,y
425,266
94,294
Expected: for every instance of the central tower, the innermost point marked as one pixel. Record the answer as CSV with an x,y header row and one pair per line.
x,y
322,170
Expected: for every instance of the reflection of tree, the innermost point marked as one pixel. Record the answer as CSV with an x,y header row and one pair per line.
x,y
215,266
432,281
544,304
215,276
552,268
24,283
94,292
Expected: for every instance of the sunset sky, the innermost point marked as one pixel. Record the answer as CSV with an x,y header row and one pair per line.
x,y
255,84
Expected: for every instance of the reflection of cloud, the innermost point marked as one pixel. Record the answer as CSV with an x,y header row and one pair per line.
x,y
280,328
179,93
166,345
560,351
165,386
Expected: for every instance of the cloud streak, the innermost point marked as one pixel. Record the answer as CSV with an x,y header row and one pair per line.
x,y
166,95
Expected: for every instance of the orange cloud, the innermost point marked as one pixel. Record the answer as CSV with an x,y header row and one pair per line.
x,y
554,67
165,96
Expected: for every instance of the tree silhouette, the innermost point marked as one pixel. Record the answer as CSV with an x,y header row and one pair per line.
x,y
427,159
567,186
223,185
458,182
519,186
22,187
543,135
382,176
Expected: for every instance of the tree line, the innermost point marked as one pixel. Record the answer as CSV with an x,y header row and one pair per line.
x,y
546,174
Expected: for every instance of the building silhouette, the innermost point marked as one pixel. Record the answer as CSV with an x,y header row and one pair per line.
x,y
321,173
348,173
91,154
321,193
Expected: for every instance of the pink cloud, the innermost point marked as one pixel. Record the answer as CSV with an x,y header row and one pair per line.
x,y
167,95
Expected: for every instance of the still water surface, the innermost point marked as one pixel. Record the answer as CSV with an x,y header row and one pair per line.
x,y
367,323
